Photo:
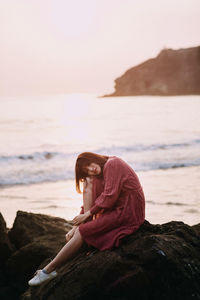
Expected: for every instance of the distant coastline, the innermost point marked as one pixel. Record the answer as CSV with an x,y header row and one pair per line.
x,y
171,73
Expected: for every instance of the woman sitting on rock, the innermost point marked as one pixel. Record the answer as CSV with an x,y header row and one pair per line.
x,y
113,207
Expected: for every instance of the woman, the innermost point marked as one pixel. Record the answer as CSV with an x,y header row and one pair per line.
x,y
113,207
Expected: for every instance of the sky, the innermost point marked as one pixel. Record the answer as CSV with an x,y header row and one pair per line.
x,y
82,46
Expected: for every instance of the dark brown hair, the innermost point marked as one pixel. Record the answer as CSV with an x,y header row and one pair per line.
x,y
85,159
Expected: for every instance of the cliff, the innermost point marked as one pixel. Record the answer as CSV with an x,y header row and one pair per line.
x,y
172,72
156,262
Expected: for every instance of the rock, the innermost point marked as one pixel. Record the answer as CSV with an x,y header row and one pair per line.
x,y
6,248
172,72
29,228
48,155
37,238
196,228
156,262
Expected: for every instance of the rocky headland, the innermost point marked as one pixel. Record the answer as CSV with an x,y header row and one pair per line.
x,y
172,72
157,262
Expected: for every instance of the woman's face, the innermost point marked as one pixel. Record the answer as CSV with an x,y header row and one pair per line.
x,y
93,169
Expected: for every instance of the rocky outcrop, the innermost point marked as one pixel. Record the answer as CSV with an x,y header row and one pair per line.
x,y
172,72
157,262
6,248
36,239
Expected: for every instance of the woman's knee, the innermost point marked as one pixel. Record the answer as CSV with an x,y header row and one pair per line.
x,y
87,185
77,234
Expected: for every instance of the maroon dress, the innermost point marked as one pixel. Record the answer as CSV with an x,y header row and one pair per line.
x,y
120,196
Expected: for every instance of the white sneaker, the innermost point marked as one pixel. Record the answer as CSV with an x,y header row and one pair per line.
x,y
40,277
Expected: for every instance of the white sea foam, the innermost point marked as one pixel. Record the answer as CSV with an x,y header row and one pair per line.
x,y
54,166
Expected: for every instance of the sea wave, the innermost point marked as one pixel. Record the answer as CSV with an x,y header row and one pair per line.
x,y
112,150
52,166
149,147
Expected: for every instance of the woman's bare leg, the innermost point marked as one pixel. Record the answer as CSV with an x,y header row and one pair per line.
x,y
87,204
66,252
87,194
74,244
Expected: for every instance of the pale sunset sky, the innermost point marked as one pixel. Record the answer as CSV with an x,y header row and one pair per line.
x,y
81,46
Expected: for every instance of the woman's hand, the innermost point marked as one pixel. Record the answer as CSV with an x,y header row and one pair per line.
x,y
70,233
81,218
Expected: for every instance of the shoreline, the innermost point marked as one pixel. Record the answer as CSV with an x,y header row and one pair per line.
x,y
170,195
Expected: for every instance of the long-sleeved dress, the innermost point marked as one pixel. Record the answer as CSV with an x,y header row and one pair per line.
x,y
120,195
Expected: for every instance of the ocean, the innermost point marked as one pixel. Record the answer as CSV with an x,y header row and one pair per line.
x,y
41,137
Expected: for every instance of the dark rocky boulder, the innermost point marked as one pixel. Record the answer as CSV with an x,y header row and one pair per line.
x,y
172,72
36,238
6,248
28,228
156,262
